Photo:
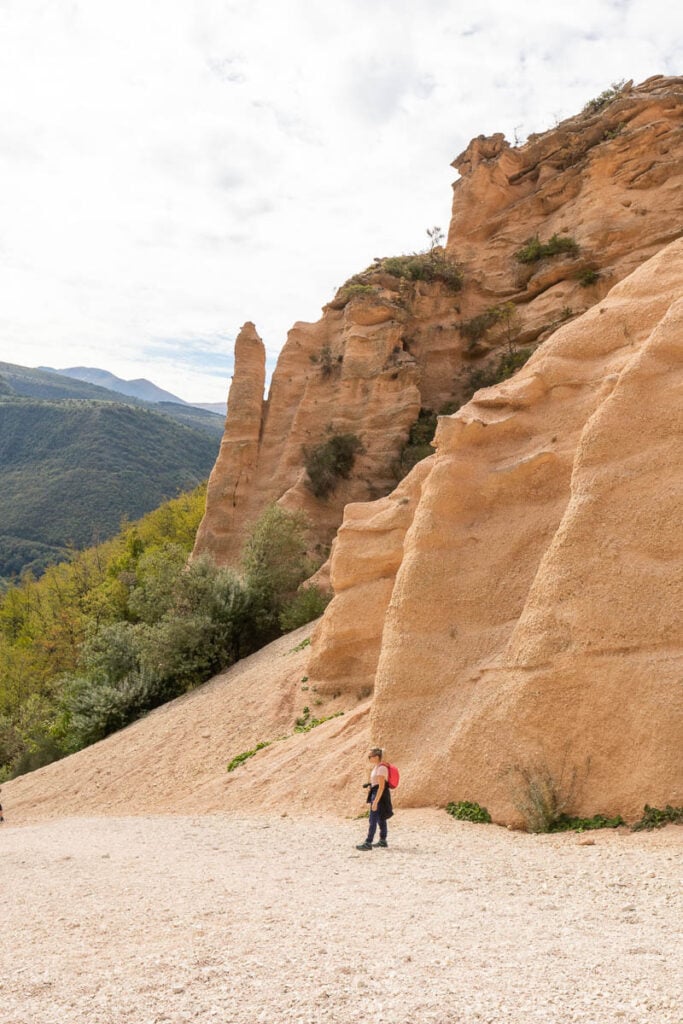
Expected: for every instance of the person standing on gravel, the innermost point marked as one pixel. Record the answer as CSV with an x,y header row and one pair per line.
x,y
379,798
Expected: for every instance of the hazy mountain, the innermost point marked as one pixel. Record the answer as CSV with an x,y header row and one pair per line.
x,y
217,407
139,388
41,382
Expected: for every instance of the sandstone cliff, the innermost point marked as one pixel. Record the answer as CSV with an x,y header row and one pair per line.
x,y
510,611
526,582
607,184
515,604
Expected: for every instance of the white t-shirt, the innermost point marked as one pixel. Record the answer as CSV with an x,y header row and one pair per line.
x,y
378,771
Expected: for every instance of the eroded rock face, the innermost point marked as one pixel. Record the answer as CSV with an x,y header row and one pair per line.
x,y
609,180
366,556
387,346
232,476
342,375
533,624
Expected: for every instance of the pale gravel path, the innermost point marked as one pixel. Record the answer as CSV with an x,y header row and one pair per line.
x,y
239,920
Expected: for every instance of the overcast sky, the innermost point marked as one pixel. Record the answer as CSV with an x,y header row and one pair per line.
x,y
172,168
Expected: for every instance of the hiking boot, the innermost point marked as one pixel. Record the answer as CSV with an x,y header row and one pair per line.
x,y
364,846
383,843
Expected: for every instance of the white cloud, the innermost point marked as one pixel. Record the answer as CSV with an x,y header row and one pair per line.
x,y
172,170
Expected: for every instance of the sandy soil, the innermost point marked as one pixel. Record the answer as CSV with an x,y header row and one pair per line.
x,y
140,885
242,919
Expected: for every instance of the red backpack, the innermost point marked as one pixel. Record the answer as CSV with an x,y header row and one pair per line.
x,y
393,776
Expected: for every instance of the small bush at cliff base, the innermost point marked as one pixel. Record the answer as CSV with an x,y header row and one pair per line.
x,y
565,823
542,797
331,461
308,723
274,557
467,810
653,817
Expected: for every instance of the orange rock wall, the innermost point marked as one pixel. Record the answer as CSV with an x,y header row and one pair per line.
x,y
359,388
534,620
611,180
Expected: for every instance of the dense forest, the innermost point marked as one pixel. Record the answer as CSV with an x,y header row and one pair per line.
x,y
124,626
72,469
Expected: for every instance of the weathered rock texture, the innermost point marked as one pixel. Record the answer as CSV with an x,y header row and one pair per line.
x,y
533,624
367,554
338,376
610,180
231,479
386,346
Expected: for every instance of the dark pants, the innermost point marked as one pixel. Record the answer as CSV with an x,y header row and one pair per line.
x,y
376,820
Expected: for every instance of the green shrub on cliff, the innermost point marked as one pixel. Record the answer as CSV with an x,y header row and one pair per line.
x,y
425,266
604,99
355,291
328,463
534,250
477,327
503,368
418,445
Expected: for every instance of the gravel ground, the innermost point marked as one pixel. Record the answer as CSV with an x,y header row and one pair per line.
x,y
246,919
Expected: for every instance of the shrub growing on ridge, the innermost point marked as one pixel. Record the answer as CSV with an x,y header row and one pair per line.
x,y
330,462
534,250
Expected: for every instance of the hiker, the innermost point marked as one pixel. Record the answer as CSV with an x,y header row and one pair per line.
x,y
379,798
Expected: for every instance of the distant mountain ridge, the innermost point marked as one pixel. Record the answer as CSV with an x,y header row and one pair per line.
x,y
216,407
40,382
139,388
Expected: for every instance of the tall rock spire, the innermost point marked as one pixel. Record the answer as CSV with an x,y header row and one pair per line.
x,y
239,449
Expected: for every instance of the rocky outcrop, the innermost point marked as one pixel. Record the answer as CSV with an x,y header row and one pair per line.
x,y
608,180
532,627
367,554
344,375
231,478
